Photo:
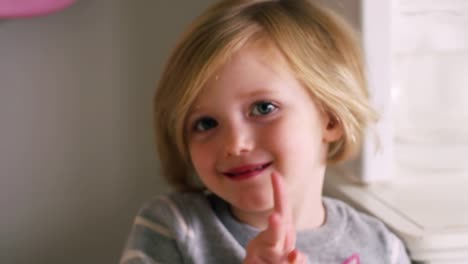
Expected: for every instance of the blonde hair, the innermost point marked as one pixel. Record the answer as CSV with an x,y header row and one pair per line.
x,y
321,49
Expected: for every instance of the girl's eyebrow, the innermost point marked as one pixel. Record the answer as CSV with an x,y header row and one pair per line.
x,y
259,92
192,112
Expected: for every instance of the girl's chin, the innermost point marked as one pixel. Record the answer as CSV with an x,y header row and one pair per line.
x,y
253,204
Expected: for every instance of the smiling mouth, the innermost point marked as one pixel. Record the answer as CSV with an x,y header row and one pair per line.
x,y
247,171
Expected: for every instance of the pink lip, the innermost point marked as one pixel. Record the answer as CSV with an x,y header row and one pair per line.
x,y
246,171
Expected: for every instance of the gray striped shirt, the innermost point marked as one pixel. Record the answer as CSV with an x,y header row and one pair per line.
x,y
199,228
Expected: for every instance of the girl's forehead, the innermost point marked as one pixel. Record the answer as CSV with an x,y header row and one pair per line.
x,y
269,54
261,56
248,67
251,72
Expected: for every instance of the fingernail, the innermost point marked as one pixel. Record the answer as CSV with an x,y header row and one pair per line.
x,y
292,256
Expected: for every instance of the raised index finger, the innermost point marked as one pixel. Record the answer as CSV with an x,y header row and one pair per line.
x,y
282,209
279,194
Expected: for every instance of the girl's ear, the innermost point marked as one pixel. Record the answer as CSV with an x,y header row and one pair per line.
x,y
333,129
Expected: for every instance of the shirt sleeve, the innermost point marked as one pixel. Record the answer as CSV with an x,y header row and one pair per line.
x,y
153,237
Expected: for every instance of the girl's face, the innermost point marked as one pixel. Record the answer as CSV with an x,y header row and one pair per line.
x,y
253,117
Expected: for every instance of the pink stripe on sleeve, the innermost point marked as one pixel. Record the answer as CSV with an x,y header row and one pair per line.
x,y
354,259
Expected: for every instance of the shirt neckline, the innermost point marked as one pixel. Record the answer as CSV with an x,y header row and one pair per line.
x,y
322,236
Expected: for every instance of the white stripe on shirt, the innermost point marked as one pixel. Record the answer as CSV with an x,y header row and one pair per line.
x,y
137,254
153,226
185,228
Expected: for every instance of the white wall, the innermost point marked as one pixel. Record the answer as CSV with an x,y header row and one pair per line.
x,y
76,138
430,62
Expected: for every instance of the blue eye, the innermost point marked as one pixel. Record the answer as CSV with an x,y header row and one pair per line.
x,y
204,124
263,108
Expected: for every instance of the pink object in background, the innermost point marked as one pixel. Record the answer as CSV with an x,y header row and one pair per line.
x,y
30,8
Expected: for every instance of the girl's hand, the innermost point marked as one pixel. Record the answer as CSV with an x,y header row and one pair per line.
x,y
276,244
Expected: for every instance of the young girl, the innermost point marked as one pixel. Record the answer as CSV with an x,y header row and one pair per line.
x,y
257,98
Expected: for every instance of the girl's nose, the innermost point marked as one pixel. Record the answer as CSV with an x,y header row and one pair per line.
x,y
237,141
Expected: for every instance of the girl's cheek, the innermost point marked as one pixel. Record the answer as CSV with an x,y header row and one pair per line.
x,y
201,154
194,154
279,130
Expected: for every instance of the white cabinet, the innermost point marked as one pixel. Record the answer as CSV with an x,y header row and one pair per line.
x,y
417,56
